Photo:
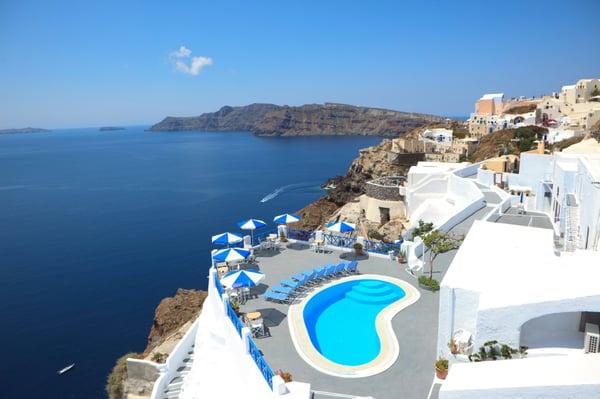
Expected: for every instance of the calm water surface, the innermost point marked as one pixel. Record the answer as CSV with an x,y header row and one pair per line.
x,y
97,227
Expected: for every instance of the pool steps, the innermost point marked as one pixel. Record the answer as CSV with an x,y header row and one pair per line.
x,y
372,292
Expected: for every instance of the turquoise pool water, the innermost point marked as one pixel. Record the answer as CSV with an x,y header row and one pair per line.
x,y
341,319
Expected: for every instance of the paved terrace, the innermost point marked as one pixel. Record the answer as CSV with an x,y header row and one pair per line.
x,y
415,327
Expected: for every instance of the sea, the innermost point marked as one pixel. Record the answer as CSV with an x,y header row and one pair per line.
x,y
97,227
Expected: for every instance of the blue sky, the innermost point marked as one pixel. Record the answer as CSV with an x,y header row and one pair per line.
x,y
83,63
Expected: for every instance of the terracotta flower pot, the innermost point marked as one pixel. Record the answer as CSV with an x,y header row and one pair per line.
x,y
441,374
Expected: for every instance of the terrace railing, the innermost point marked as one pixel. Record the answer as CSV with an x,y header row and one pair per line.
x,y
237,323
301,235
261,363
262,235
218,284
380,247
339,240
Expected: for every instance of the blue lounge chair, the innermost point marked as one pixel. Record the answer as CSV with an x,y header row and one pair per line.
x,y
291,283
330,272
320,273
352,267
276,296
340,268
285,290
299,277
310,276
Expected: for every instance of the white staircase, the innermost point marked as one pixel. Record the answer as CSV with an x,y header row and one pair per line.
x,y
571,223
174,388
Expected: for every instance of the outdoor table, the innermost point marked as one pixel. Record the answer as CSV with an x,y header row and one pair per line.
x,y
253,315
272,237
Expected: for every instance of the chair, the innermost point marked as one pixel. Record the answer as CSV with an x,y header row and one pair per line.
x,y
285,290
339,269
291,283
320,273
310,276
330,270
273,296
257,328
352,267
299,277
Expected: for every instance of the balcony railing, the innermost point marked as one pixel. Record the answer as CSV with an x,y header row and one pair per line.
x,y
237,323
261,363
380,247
301,235
339,240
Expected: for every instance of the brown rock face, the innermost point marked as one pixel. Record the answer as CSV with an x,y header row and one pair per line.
x,y
172,313
305,120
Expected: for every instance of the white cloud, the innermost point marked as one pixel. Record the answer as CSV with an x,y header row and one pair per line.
x,y
183,61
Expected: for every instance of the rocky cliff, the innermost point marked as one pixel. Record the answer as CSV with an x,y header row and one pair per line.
x,y
305,120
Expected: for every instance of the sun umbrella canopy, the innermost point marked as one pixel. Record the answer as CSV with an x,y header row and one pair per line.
x,y
242,278
226,239
286,218
231,255
341,227
251,224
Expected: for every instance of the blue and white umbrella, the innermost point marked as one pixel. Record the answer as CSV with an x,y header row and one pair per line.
x,y
231,255
226,239
286,218
242,278
341,227
251,224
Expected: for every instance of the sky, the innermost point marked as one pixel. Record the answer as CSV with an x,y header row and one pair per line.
x,y
82,63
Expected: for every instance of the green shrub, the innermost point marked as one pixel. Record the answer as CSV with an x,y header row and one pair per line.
x,y
429,282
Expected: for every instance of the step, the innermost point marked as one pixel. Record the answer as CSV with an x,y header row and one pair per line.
x,y
364,289
372,299
372,283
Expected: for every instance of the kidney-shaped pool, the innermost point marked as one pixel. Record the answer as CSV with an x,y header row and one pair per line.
x,y
345,328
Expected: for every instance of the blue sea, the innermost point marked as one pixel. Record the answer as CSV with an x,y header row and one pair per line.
x,y
97,227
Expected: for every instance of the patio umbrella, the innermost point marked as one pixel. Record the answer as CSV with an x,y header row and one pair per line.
x,y
226,239
231,255
286,218
242,278
251,224
341,227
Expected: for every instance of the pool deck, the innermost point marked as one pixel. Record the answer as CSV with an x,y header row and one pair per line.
x,y
415,327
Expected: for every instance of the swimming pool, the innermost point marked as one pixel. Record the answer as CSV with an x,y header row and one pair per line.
x,y
344,328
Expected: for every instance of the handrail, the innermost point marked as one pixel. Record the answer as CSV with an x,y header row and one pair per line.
x,y
237,323
381,247
339,240
261,363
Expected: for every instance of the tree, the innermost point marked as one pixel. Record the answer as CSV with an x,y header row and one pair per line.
x,y
422,229
596,92
439,242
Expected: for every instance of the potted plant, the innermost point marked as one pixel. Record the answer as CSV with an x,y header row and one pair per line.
x,y
282,236
235,305
358,249
285,376
402,257
158,357
441,368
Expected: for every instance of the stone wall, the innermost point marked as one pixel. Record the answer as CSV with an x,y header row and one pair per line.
x,y
408,159
381,191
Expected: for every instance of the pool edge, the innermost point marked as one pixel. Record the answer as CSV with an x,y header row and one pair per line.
x,y
390,349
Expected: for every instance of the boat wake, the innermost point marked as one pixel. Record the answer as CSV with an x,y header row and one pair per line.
x,y
289,188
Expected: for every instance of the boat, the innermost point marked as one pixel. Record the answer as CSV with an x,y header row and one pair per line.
x,y
64,370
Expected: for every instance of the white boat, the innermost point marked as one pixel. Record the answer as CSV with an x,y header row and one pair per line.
x,y
69,367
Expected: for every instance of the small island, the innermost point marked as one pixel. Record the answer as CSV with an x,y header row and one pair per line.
x,y
24,130
111,128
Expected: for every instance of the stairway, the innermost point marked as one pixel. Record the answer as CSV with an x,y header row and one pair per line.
x,y
571,224
373,292
174,388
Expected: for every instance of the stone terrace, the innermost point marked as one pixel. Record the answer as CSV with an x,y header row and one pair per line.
x,y
415,327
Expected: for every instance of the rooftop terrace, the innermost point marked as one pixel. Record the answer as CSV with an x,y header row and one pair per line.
x,y
415,328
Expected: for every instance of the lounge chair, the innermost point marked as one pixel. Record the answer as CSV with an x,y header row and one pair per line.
x,y
291,283
273,296
352,267
330,272
310,276
299,277
320,273
285,290
340,267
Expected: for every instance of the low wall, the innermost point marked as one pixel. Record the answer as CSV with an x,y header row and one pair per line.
x,y
382,191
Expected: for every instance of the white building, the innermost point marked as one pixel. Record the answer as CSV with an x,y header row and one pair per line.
x,y
441,136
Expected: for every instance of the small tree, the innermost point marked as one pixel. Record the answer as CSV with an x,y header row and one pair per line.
x,y
439,242
422,229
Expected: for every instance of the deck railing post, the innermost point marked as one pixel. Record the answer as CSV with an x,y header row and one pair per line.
x,y
245,339
279,387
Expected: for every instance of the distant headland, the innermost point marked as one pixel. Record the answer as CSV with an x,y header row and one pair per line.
x,y
24,130
307,120
110,128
